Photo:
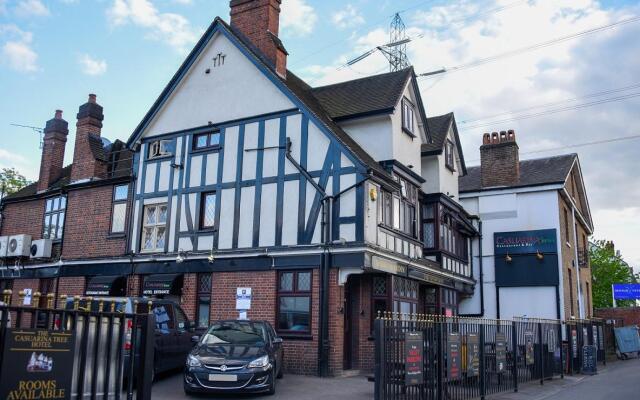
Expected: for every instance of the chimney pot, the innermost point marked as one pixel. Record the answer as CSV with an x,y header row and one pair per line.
x,y
92,98
494,138
486,138
58,114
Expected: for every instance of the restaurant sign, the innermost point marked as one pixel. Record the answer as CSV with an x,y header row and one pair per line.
x,y
36,364
525,242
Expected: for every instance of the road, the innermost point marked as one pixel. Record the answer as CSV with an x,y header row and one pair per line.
x,y
620,380
296,387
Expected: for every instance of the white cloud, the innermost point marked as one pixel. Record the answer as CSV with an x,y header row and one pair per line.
x,y
31,8
298,18
92,66
28,166
348,17
173,29
615,223
16,49
590,63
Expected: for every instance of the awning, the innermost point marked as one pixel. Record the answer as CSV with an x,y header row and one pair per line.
x,y
162,284
106,286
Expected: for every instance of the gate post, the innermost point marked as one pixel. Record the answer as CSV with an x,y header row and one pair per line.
x,y
514,368
541,357
146,357
379,376
440,357
483,383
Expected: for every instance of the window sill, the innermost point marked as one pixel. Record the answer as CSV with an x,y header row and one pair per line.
x,y
213,149
296,336
401,234
116,236
158,158
408,132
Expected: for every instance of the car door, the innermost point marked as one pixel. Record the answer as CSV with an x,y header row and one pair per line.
x,y
277,347
183,336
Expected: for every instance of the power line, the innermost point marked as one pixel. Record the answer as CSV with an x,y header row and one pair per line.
x,y
555,111
533,47
556,103
577,145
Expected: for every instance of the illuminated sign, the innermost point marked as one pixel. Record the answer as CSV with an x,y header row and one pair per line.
x,y
525,242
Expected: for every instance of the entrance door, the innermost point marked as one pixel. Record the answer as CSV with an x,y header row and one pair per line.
x,y
351,316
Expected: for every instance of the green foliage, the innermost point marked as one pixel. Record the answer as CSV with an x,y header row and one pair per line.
x,y
607,268
11,181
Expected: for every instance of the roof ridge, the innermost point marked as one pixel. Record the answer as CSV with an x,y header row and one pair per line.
x,y
406,70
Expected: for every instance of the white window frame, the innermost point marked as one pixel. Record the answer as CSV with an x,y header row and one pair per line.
x,y
155,226
159,148
408,117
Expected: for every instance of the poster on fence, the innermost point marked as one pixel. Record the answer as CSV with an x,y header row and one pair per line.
x,y
574,343
453,355
528,347
501,352
589,357
551,341
414,358
36,364
594,329
473,354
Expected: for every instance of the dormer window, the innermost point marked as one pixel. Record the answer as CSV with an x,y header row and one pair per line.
x,y
408,117
449,155
160,148
210,140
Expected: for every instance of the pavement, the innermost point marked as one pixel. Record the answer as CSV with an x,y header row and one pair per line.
x,y
288,388
618,380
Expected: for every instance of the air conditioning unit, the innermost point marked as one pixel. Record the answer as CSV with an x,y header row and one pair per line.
x,y
19,246
41,248
4,240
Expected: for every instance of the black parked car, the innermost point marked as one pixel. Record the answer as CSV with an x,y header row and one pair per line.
x,y
235,356
172,336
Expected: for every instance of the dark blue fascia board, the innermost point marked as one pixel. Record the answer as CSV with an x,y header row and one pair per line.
x,y
404,170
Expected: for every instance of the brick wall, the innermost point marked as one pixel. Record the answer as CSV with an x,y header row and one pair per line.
x,y
71,286
88,225
189,295
336,323
25,217
500,160
629,315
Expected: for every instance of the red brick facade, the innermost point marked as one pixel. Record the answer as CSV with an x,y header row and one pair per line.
x,y
500,160
87,231
54,142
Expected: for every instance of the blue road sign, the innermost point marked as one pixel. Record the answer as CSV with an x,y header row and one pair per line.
x,y
626,291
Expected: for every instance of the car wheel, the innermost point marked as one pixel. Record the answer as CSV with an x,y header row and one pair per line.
x,y
272,384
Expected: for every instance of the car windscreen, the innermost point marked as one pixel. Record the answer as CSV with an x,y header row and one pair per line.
x,y
235,333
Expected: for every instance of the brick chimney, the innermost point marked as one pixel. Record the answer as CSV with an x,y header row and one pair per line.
x,y
259,21
499,159
86,163
51,163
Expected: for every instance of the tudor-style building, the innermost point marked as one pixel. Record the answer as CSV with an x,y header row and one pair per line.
x,y
330,203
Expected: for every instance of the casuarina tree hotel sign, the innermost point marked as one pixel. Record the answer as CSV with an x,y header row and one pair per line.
x,y
36,365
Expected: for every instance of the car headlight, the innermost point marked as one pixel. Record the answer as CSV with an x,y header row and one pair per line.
x,y
193,361
261,362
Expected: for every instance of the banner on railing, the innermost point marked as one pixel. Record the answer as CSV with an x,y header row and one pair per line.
x,y
414,351
453,355
473,354
501,352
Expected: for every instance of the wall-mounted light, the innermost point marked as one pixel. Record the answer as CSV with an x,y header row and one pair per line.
x,y
373,194
182,255
508,258
539,255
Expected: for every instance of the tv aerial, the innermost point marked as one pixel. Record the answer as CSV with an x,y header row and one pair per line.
x,y
36,129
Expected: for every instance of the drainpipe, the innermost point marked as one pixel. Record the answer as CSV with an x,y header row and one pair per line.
x,y
327,202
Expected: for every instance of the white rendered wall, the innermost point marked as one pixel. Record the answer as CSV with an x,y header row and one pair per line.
x,y
373,134
505,213
538,302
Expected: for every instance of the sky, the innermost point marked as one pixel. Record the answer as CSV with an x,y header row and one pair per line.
x,y
54,53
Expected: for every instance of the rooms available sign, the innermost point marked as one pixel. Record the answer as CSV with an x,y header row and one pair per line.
x,y
37,365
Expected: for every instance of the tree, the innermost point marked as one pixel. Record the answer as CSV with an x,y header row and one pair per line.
x,y
608,268
11,181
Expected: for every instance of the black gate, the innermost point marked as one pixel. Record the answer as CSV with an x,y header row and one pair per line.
x,y
425,357
99,343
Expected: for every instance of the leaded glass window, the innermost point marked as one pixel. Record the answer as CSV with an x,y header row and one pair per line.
x,y
155,226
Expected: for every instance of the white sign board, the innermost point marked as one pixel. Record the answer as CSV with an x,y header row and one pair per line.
x,y
243,298
242,316
27,297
